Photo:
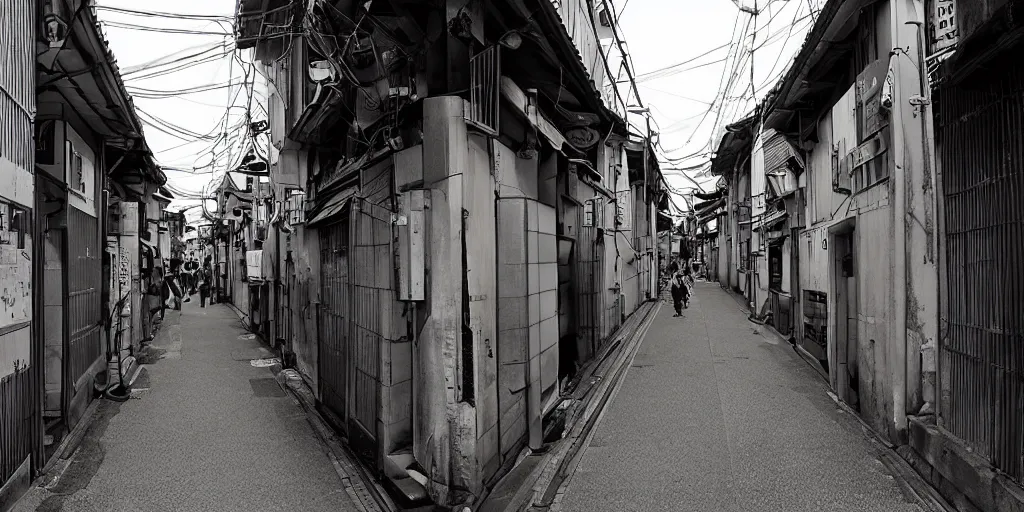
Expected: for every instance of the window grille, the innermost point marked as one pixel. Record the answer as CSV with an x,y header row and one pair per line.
x,y
295,208
484,90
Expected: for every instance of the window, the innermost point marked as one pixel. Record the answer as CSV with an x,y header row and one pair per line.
x,y
75,175
45,137
79,175
485,90
295,207
867,40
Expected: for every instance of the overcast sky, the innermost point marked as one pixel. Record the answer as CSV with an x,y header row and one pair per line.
x,y
659,34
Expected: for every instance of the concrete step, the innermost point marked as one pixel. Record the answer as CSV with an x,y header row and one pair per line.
x,y
406,485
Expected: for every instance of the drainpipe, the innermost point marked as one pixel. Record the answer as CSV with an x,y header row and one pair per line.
x,y
898,331
928,349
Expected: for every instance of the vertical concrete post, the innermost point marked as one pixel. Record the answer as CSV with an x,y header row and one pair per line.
x,y
438,434
915,274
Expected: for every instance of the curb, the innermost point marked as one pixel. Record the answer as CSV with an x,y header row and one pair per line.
x,y
542,486
910,482
366,493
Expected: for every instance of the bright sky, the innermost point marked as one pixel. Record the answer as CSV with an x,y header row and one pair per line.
x,y
670,43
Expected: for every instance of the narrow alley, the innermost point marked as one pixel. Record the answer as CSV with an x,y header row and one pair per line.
x,y
205,430
716,413
436,240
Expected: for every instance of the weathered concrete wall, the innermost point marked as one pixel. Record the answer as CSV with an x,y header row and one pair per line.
x,y
758,242
444,428
966,480
873,261
868,357
482,280
916,172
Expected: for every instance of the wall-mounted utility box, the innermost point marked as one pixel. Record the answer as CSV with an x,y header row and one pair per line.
x,y
411,223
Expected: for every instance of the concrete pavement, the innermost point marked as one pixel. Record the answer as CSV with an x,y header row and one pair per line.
x,y
715,414
206,430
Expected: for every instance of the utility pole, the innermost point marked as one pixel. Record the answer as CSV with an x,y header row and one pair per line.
x,y
653,285
649,197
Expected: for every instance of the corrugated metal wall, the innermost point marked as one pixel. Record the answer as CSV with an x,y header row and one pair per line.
x,y
17,83
84,305
980,139
17,103
16,422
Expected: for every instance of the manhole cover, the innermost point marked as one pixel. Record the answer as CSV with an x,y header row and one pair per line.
x,y
266,388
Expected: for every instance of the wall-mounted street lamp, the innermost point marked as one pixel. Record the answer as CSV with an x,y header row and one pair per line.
x,y
511,40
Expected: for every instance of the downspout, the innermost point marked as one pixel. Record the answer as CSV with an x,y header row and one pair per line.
x,y
653,277
615,227
898,332
928,349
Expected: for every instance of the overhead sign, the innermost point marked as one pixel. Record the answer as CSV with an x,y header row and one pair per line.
x,y
582,137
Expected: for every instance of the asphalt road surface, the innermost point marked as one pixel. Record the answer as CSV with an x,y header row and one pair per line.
x,y
715,414
205,430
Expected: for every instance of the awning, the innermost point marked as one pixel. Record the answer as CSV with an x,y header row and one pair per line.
x,y
707,218
333,206
515,95
778,152
711,196
703,209
770,219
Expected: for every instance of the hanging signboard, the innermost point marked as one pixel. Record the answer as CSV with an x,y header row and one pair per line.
x,y
870,88
942,29
582,137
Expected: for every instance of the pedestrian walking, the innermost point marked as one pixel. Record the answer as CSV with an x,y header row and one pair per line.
x,y
679,293
191,275
205,282
171,282
204,287
688,283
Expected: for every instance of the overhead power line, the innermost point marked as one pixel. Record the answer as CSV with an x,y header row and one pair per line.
x,y
164,30
171,15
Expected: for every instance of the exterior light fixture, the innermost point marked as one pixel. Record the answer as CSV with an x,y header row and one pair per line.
x,y
511,40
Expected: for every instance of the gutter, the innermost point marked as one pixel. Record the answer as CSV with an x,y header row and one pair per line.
x,y
548,16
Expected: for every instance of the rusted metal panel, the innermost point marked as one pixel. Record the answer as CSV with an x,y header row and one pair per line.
x,y
980,143
84,306
332,317
581,23
371,277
